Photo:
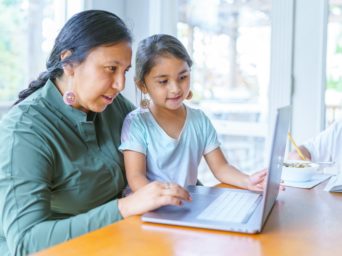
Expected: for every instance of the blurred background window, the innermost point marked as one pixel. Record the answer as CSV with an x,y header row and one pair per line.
x,y
333,92
229,42
27,31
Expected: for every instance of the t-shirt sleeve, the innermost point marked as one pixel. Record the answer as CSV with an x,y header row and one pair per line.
x,y
322,146
26,169
211,141
133,134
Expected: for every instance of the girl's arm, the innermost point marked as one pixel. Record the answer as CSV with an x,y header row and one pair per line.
x,y
229,174
135,165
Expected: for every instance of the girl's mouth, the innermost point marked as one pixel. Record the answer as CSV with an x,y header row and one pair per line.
x,y
175,98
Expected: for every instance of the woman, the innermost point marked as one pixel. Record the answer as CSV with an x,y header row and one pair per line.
x,y
61,174
325,147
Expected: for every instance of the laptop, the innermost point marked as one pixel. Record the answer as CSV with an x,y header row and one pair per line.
x,y
232,209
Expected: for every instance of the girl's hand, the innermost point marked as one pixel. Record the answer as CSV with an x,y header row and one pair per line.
x,y
152,196
256,181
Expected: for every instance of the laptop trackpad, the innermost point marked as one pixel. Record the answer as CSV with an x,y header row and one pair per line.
x,y
189,210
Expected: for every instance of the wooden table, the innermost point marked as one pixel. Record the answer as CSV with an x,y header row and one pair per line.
x,y
303,222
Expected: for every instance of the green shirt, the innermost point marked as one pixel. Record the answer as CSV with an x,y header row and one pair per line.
x,y
60,171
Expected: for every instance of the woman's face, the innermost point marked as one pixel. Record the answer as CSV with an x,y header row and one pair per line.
x,y
101,76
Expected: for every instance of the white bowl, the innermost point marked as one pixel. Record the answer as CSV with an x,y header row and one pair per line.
x,y
298,171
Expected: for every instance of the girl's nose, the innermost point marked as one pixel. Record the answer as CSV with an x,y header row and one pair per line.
x,y
174,87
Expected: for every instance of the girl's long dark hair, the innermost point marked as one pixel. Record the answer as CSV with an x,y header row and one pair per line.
x,y
82,32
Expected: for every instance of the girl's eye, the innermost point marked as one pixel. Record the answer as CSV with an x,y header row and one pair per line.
x,y
162,82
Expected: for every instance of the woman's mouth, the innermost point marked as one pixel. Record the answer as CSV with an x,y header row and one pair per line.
x,y
109,99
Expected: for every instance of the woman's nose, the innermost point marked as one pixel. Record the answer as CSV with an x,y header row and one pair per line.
x,y
119,83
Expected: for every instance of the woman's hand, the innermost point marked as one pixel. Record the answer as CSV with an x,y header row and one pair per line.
x,y
293,155
256,181
152,196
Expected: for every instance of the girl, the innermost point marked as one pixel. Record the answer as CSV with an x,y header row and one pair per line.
x,y
165,139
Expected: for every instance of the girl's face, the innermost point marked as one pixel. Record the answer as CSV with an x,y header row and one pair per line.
x,y
168,82
101,76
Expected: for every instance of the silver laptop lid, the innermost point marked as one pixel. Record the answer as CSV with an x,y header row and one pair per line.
x,y
277,152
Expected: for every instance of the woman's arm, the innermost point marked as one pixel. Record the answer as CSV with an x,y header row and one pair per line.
x,y
26,183
229,174
135,167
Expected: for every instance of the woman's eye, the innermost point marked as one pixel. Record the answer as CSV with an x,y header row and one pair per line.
x,y
183,77
111,68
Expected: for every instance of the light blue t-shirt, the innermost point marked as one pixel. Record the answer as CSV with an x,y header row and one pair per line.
x,y
169,159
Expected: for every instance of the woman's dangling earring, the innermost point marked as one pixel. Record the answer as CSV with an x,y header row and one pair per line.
x,y
189,97
145,102
69,97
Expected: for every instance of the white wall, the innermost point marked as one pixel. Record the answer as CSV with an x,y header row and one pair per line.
x,y
115,6
298,63
310,35
282,20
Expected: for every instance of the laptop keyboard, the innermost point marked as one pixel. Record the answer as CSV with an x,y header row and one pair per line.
x,y
231,206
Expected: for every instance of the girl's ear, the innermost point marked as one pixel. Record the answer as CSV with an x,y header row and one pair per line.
x,y
141,85
68,68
